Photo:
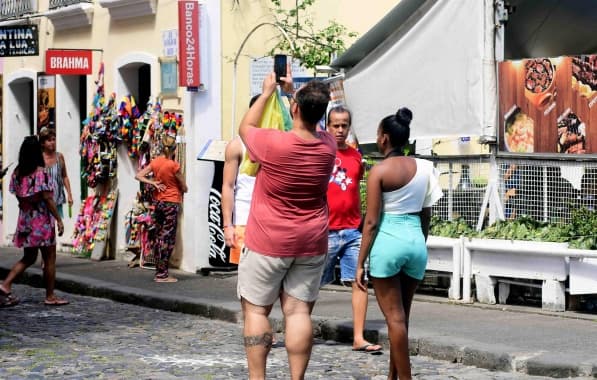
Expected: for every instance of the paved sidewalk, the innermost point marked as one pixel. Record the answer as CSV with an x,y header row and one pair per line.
x,y
501,337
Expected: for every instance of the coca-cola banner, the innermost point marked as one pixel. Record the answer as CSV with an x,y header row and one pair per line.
x,y
219,253
548,105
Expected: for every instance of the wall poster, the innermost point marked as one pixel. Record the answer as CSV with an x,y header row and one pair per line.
x,y
548,105
168,77
46,101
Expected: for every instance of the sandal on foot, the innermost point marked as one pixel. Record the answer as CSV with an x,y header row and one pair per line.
x,y
56,302
4,293
165,279
7,300
369,348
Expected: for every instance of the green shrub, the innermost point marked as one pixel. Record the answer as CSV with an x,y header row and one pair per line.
x,y
580,232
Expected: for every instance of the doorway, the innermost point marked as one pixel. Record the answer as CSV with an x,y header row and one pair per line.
x,y
136,78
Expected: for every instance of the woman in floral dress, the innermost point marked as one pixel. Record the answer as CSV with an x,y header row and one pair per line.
x,y
35,226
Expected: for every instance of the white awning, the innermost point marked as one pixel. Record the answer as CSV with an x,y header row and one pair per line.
x,y
431,63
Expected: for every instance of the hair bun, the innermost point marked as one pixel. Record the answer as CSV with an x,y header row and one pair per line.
x,y
404,115
168,141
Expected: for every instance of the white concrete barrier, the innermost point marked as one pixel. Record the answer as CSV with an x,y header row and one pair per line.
x,y
445,255
490,259
545,261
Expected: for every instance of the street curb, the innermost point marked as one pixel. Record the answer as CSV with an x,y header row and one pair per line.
x,y
464,352
102,289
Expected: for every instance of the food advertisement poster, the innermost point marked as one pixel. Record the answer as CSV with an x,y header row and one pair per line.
x,y
548,105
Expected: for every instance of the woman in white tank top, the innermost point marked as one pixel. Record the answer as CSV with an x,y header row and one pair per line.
x,y
400,193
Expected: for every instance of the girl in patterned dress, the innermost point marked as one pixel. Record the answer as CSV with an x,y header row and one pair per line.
x,y
35,225
56,168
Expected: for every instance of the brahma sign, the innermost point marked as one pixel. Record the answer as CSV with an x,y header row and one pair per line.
x,y
68,62
188,43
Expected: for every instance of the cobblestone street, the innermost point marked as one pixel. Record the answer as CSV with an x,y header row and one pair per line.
x,y
98,338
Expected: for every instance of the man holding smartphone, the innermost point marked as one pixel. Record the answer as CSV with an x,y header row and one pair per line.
x,y
286,236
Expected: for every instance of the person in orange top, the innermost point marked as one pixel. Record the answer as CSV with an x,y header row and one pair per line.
x,y
170,184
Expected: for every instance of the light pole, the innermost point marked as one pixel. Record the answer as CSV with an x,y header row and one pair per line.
x,y
242,45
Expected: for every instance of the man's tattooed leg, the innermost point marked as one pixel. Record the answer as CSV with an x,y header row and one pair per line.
x,y
264,340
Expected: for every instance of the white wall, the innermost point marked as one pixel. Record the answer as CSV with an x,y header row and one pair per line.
x,y
67,134
17,116
203,112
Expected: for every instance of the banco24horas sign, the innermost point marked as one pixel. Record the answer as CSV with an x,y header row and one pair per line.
x,y
19,40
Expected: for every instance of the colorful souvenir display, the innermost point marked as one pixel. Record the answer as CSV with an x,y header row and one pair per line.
x,y
93,221
107,126
98,138
128,115
140,230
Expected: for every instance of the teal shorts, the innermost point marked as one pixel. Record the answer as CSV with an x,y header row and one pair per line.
x,y
399,247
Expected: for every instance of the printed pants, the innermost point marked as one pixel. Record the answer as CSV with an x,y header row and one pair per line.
x,y
166,217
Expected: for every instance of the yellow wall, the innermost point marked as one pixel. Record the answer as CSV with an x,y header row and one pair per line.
x,y
238,20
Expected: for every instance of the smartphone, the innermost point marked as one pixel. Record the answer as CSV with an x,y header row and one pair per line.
x,y
280,61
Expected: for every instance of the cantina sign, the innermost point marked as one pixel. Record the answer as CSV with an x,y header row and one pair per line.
x,y
19,40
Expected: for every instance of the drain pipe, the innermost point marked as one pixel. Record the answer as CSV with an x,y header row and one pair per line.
x,y
234,66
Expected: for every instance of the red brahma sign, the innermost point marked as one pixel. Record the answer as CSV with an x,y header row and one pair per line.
x,y
68,62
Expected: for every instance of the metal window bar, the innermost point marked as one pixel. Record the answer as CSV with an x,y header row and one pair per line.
x,y
16,8
64,3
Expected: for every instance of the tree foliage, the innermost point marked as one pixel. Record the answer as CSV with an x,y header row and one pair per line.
x,y
311,46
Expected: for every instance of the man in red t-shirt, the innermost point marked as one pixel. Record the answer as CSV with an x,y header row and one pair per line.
x,y
286,235
344,239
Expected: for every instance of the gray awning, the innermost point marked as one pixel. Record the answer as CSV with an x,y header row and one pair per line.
x,y
399,15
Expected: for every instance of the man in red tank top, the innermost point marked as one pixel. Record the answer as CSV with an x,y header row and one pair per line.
x,y
344,239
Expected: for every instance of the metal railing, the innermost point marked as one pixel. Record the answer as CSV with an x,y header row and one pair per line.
x,y
546,190
63,3
464,182
16,8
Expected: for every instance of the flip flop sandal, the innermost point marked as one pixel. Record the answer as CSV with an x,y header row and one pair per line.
x,y
56,302
366,348
166,279
8,300
4,293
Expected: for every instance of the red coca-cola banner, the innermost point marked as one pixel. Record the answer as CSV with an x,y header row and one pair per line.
x,y
188,43
68,62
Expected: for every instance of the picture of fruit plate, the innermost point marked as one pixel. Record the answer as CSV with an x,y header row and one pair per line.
x,y
584,75
571,133
519,131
